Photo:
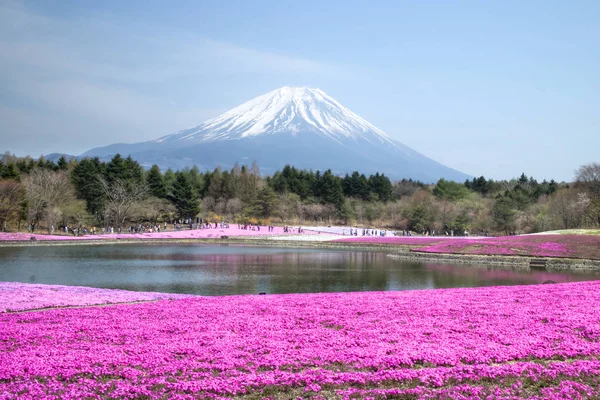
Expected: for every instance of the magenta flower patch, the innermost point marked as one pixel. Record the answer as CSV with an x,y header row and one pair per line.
x,y
538,341
16,296
567,246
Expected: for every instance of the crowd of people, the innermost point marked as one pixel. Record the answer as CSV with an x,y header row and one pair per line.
x,y
200,223
365,232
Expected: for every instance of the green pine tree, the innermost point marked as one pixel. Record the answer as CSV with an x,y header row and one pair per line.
x,y
10,171
155,182
86,176
62,163
331,189
184,197
504,214
265,204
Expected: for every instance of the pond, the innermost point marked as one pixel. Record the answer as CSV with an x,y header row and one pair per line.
x,y
235,269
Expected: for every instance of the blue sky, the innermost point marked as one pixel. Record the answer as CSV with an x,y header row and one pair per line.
x,y
488,88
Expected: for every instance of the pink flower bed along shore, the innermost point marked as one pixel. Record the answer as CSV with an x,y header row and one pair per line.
x,y
21,236
570,246
16,296
531,341
397,240
183,234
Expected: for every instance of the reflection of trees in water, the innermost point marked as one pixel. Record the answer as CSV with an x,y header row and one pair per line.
x,y
302,271
227,271
445,275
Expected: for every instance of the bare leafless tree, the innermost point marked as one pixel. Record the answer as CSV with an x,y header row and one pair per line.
x,y
587,178
11,197
46,192
234,207
121,197
569,206
154,210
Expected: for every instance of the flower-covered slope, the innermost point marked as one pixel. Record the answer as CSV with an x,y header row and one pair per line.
x,y
535,341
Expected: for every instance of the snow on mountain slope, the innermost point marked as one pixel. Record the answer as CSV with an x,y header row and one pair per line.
x,y
297,126
292,110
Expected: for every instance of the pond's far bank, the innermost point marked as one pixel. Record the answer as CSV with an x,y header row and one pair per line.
x,y
524,262
556,251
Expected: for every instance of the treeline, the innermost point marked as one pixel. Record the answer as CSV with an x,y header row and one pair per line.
x,y
120,192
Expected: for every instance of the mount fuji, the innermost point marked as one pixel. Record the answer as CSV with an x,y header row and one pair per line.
x,y
302,127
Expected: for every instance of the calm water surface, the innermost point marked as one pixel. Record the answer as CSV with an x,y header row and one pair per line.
x,y
229,269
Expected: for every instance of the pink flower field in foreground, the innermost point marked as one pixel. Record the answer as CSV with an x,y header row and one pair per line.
x,y
573,246
529,341
16,296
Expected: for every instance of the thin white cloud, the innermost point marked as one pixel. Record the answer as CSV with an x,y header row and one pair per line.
x,y
123,84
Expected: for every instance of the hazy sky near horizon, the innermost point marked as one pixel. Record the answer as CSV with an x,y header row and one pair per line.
x,y
488,88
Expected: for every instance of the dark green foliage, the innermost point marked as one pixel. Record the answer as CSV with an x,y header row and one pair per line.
x,y
265,204
479,185
62,163
380,185
450,190
523,178
155,182
10,171
504,214
46,164
405,188
520,198
356,185
184,197
292,180
198,180
124,169
169,179
331,189
324,187
421,218
86,177
459,225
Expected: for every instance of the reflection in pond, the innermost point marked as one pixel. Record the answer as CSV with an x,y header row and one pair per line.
x,y
229,269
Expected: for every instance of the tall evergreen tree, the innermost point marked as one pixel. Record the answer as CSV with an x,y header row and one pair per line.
x,y
155,182
184,197
381,186
62,163
10,171
115,169
86,177
169,179
265,204
331,189
504,214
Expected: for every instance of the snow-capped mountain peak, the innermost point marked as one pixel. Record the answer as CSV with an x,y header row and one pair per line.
x,y
295,126
292,110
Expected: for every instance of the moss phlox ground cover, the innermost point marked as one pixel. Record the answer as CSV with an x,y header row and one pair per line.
x,y
15,296
567,246
540,341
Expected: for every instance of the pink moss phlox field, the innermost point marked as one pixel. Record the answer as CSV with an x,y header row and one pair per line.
x,y
498,342
398,240
20,236
183,234
16,296
568,246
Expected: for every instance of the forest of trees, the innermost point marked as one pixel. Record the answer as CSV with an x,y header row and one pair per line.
x,y
38,194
